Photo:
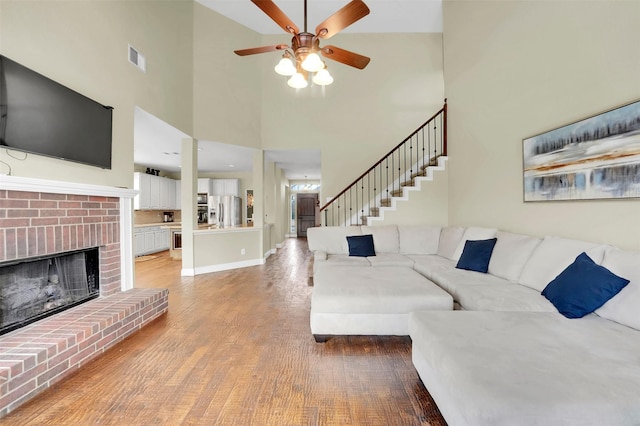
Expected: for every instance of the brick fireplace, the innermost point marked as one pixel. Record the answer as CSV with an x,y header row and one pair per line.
x,y
39,223
39,218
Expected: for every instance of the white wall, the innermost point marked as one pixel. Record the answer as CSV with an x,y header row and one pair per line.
x,y
514,69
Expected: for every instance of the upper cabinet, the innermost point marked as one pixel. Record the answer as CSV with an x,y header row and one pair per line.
x,y
219,186
204,186
155,192
225,187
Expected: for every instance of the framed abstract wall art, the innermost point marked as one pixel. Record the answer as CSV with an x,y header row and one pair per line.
x,y
594,158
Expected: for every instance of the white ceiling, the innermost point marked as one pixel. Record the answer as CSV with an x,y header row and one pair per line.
x,y
158,145
387,16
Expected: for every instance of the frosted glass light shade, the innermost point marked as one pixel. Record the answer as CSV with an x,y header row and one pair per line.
x,y
297,81
322,77
312,63
285,67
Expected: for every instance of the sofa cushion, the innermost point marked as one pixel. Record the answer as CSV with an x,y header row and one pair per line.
x,y
473,233
583,287
476,255
456,280
552,256
510,254
390,259
449,239
428,264
341,260
419,239
361,245
506,297
385,238
369,290
331,239
623,307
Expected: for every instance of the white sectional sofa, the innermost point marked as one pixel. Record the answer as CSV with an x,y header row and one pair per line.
x,y
505,355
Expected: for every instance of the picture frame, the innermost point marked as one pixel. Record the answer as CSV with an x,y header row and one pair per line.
x,y
595,158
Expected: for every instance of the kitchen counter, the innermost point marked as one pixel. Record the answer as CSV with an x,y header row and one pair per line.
x,y
146,225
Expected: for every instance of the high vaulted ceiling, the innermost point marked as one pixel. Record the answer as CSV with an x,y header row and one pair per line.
x,y
387,16
158,145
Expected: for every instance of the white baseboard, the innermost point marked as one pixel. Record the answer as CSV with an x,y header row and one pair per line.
x,y
221,267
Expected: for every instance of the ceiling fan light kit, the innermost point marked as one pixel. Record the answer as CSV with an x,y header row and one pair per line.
x,y
305,46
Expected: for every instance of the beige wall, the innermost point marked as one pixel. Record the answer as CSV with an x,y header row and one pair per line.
x,y
223,248
516,69
226,86
83,45
364,113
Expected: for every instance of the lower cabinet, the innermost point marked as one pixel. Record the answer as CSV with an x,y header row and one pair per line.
x,y
150,239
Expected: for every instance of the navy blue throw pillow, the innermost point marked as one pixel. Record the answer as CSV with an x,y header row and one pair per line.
x,y
361,245
583,287
476,255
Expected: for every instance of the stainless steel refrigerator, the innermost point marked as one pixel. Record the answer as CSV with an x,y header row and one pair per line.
x,y
225,211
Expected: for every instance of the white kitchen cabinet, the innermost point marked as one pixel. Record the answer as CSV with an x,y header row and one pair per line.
x,y
225,187
155,192
204,186
178,202
138,243
149,242
167,194
217,186
141,182
231,187
160,240
150,239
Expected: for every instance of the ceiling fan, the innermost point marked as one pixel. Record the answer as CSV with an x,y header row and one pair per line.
x,y
305,46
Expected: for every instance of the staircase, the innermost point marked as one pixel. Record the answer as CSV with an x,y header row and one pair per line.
x,y
392,177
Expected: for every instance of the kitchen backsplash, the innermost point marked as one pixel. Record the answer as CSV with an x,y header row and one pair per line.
x,y
144,217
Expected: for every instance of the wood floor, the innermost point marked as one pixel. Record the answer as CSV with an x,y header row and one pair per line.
x,y
235,349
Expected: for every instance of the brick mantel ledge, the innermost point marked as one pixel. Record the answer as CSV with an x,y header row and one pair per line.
x,y
34,357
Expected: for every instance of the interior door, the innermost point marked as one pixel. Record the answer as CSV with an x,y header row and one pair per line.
x,y
306,212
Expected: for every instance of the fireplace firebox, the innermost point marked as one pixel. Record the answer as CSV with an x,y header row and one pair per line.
x,y
34,288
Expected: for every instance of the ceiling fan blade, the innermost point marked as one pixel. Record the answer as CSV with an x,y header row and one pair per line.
x,y
278,16
352,12
263,49
344,56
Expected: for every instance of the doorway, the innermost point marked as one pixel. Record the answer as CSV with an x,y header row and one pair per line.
x,y
307,207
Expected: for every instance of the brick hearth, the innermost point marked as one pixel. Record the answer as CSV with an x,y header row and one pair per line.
x,y
34,223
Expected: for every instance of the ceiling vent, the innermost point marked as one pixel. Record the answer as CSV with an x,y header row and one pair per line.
x,y
137,59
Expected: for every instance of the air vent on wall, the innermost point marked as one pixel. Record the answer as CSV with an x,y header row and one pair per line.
x,y
137,59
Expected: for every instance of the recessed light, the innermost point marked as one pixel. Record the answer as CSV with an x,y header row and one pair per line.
x,y
231,165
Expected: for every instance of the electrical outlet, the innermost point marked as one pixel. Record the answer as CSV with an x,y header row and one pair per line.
x,y
243,252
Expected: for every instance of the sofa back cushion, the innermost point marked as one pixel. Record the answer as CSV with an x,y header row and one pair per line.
x,y
449,239
552,256
472,233
331,239
624,307
419,239
510,254
385,238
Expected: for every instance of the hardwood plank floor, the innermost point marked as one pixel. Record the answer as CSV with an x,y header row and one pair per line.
x,y
235,349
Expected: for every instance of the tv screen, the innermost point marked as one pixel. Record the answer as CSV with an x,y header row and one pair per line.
x,y
40,116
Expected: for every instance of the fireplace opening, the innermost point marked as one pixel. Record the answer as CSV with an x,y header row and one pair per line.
x,y
34,288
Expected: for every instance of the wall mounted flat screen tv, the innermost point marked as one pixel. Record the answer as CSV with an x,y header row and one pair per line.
x,y
40,116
